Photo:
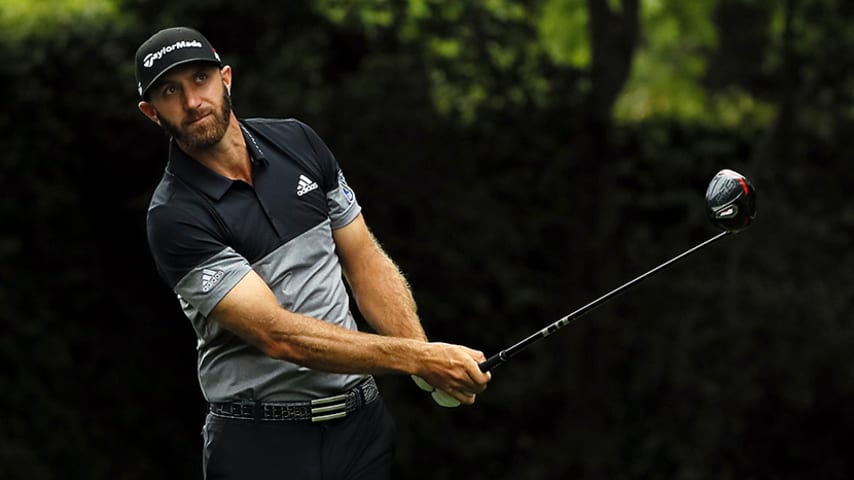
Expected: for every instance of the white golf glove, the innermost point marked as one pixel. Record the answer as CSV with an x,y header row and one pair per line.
x,y
439,396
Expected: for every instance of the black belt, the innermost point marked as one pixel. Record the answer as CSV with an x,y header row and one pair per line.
x,y
317,410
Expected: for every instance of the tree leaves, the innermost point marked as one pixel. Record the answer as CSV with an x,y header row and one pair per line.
x,y
508,195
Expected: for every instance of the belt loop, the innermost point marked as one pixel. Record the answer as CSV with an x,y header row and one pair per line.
x,y
363,399
257,410
360,395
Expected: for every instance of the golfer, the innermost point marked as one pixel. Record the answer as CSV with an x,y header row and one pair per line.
x,y
255,229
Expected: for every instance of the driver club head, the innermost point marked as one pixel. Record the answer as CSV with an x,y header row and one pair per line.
x,y
731,201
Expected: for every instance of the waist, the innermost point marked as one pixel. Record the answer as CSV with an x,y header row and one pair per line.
x,y
315,410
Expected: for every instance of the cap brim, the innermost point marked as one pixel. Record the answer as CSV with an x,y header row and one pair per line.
x,y
172,67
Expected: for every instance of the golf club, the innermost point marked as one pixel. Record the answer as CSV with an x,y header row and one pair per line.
x,y
731,203
731,206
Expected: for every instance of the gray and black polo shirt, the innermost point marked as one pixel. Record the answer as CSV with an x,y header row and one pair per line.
x,y
206,232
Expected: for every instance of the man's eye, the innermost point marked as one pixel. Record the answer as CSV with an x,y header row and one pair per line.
x,y
170,90
201,76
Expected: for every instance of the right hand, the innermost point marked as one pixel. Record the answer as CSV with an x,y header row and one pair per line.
x,y
454,370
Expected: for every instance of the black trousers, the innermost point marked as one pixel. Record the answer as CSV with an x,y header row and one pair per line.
x,y
359,446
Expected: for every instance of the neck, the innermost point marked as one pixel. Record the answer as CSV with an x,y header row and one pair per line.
x,y
228,157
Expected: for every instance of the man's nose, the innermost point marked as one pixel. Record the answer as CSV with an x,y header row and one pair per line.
x,y
192,99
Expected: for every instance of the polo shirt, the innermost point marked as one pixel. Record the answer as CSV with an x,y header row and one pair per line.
x,y
206,232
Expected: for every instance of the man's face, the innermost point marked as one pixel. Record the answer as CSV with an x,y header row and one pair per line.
x,y
192,104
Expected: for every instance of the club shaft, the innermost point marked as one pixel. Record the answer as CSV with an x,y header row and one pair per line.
x,y
508,353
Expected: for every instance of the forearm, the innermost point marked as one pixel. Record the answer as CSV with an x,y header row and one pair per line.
x,y
251,311
323,346
386,302
380,290
385,299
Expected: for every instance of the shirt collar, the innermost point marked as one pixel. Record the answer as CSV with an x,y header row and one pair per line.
x,y
211,183
256,154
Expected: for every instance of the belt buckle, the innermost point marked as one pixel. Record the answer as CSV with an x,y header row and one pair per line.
x,y
329,408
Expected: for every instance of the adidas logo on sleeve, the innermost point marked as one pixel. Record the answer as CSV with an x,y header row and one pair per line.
x,y
210,278
305,185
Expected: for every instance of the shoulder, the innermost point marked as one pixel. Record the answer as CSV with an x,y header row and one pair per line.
x,y
285,130
174,204
277,127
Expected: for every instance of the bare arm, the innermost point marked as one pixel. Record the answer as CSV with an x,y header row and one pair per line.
x,y
251,311
381,291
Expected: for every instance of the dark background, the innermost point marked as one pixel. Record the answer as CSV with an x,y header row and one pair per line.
x,y
510,184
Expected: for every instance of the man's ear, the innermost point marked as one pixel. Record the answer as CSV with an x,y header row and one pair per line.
x,y
225,71
149,111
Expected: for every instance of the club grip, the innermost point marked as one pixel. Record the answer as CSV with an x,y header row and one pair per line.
x,y
491,363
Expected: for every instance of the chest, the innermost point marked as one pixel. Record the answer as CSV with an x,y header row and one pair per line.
x,y
285,201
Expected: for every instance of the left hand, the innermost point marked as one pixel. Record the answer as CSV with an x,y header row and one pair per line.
x,y
439,396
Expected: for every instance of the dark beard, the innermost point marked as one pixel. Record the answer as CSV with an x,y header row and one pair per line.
x,y
206,138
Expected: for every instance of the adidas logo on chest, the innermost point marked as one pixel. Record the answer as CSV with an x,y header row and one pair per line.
x,y
305,185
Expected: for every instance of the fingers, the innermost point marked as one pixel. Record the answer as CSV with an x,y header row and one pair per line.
x,y
477,380
422,384
446,400
440,397
468,377
452,374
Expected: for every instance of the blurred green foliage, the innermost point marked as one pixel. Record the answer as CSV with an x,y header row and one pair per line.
x,y
517,159
26,18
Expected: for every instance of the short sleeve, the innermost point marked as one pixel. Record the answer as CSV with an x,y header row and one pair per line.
x,y
341,201
198,267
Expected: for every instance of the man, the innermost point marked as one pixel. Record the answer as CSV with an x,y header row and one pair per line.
x,y
255,229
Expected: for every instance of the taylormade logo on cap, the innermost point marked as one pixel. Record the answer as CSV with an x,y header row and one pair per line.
x,y
168,48
152,57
